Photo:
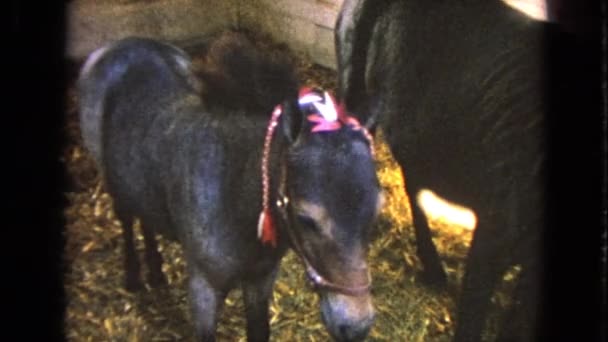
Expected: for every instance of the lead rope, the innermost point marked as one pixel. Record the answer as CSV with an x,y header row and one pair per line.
x,y
266,230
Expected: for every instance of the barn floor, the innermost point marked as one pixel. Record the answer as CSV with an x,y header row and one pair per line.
x,y
100,310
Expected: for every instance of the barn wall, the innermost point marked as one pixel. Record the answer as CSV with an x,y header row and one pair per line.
x,y
305,25
94,23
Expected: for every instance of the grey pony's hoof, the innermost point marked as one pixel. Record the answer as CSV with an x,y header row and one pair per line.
x,y
157,280
133,284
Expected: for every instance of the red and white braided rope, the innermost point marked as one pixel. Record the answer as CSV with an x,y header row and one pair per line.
x,y
266,231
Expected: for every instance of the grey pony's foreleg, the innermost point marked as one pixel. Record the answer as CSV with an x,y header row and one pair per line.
x,y
132,267
206,304
153,257
257,295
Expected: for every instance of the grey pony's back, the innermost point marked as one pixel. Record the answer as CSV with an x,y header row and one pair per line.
x,y
91,104
104,68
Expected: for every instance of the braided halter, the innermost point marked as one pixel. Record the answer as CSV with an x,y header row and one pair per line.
x,y
326,118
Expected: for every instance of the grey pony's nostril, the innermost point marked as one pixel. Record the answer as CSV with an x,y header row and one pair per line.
x,y
343,329
351,334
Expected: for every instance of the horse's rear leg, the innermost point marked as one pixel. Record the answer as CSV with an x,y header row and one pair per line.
x,y
132,268
206,304
485,265
153,257
256,295
521,321
433,274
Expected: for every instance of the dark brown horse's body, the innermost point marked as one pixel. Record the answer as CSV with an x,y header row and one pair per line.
x,y
465,92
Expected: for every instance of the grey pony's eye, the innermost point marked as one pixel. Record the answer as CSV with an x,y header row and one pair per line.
x,y
307,222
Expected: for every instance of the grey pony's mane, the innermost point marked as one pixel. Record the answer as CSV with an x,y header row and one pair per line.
x,y
238,75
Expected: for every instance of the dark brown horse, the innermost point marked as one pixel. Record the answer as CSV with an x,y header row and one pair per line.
x,y
468,93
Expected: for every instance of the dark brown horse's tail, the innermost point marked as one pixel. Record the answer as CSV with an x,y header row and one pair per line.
x,y
238,75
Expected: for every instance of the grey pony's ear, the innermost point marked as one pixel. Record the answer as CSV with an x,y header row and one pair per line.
x,y
372,120
292,120
369,113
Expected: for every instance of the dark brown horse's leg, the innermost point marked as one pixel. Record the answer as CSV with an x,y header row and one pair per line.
x,y
434,274
521,319
153,258
132,268
256,295
206,303
486,263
